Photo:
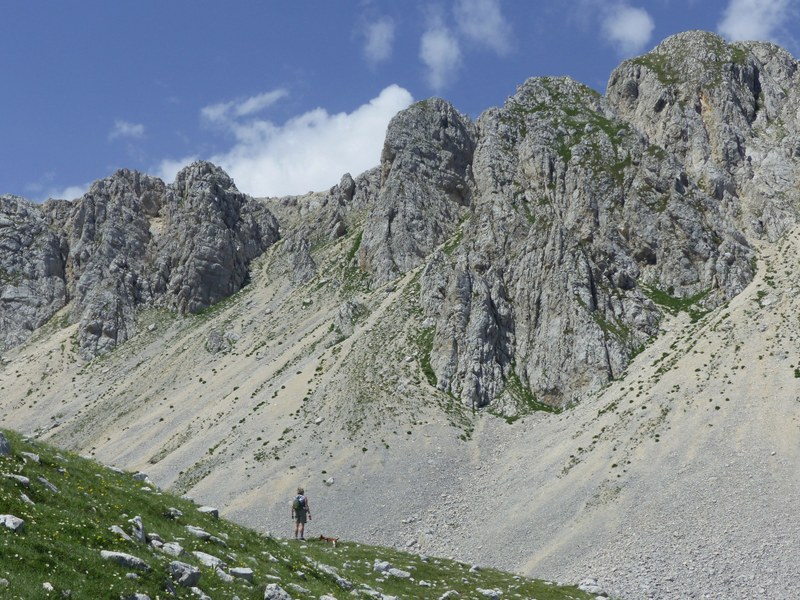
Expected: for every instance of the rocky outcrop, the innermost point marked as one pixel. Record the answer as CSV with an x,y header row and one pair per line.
x,y
32,278
425,188
130,241
551,235
574,224
728,112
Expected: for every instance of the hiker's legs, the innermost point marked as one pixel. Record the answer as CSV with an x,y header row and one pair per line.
x,y
302,530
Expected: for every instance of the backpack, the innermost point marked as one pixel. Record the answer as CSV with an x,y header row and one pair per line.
x,y
299,502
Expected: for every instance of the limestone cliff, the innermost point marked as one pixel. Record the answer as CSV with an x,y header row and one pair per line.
x,y
551,235
131,241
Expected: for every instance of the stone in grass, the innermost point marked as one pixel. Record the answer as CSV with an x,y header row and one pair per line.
x,y
276,592
13,523
200,593
136,596
48,485
137,530
223,576
491,594
20,479
208,560
186,575
173,513
209,510
381,566
399,573
143,478
126,560
5,447
172,548
198,532
116,529
299,589
242,573
30,456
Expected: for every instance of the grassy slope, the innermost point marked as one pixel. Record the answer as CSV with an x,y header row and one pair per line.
x,y
65,532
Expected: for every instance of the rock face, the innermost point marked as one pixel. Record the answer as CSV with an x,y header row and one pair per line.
x,y
551,235
729,114
130,241
32,278
425,188
577,223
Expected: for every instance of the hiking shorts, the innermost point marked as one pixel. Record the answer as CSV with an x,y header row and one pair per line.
x,y
300,516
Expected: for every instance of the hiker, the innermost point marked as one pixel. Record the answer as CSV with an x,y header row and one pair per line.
x,y
300,511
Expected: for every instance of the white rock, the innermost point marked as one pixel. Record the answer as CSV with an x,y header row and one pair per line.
x,y
209,560
186,575
172,548
209,510
242,573
126,560
13,523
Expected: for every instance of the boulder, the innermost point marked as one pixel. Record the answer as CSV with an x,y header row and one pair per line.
x,y
209,510
275,592
184,574
242,573
13,523
126,560
208,560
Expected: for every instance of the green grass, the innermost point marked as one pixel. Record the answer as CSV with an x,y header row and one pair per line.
x,y
674,305
425,343
524,399
65,532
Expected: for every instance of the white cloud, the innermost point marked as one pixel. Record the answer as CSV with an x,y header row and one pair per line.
x,y
379,40
755,19
225,111
168,168
628,28
124,129
483,22
441,53
70,192
309,152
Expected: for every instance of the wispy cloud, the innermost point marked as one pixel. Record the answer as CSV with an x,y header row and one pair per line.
x,y
309,152
756,19
482,21
223,112
627,28
440,52
124,129
379,40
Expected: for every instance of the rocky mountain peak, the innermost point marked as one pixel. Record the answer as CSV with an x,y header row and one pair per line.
x,y
728,113
131,241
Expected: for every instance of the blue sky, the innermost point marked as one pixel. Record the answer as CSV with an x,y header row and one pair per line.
x,y
288,96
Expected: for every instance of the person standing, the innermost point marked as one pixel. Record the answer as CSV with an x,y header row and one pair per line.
x,y
301,512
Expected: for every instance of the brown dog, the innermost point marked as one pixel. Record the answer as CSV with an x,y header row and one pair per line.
x,y
331,540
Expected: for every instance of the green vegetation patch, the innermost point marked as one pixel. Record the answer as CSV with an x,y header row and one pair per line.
x,y
524,399
674,304
424,341
66,530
